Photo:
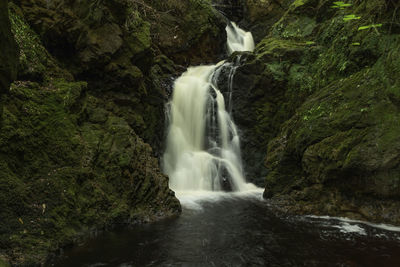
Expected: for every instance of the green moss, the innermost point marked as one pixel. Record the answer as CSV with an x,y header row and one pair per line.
x,y
295,27
37,121
8,56
273,48
35,62
338,116
138,29
62,178
347,129
30,51
4,263
300,79
298,3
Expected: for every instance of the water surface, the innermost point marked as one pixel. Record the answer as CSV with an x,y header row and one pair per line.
x,y
240,230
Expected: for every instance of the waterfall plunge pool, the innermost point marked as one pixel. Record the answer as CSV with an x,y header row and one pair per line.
x,y
240,229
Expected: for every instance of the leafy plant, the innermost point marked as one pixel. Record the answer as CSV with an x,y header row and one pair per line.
x,y
351,17
366,27
340,5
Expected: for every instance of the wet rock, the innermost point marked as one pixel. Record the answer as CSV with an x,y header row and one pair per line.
x,y
253,15
260,16
115,47
70,157
91,174
310,102
93,82
336,154
231,9
190,32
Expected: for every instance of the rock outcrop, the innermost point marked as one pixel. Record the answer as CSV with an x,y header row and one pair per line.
x,y
318,104
84,122
118,46
8,55
256,16
319,99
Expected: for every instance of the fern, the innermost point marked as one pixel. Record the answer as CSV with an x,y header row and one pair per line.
x,y
366,27
351,17
340,5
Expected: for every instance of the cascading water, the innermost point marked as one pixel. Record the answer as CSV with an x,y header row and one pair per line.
x,y
203,147
238,39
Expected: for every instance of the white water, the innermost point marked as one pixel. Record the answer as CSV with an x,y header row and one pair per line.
x,y
238,39
346,222
194,200
203,145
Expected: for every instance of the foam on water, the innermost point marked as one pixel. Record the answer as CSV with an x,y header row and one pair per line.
x,y
351,228
386,227
193,200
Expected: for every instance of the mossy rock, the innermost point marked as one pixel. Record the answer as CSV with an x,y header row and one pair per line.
x,y
193,33
35,62
63,177
346,135
320,100
9,54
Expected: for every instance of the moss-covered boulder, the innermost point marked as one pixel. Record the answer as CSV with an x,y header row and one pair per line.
x,y
189,32
339,153
260,15
267,88
70,162
318,100
62,178
115,46
345,138
35,62
100,31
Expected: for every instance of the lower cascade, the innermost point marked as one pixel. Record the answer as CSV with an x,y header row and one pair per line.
x,y
203,144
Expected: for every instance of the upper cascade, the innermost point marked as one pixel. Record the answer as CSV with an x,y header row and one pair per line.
x,y
203,145
238,39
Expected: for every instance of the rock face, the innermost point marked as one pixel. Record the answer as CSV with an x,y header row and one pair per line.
x,y
260,15
319,99
256,16
9,55
83,123
233,10
62,177
117,45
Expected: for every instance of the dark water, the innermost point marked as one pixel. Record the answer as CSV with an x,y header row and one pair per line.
x,y
241,231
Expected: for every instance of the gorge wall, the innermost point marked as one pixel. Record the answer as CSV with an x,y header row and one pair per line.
x,y
83,124
319,101
82,128
8,57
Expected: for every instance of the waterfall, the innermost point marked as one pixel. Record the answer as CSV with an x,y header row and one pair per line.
x,y
203,145
238,39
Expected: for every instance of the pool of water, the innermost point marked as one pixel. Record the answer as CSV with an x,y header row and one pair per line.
x,y
240,230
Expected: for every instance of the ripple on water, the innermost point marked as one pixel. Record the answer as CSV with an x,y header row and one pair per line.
x,y
239,229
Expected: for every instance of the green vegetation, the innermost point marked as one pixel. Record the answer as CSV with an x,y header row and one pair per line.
x,y
88,98
91,84
351,17
82,125
317,97
369,27
340,5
